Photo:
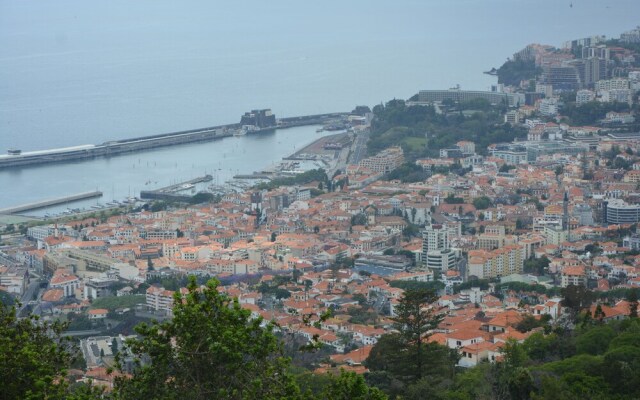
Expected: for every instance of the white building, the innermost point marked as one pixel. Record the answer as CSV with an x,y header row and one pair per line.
x,y
512,117
613,95
14,279
612,84
619,118
549,107
385,161
441,260
584,96
159,299
435,237
66,281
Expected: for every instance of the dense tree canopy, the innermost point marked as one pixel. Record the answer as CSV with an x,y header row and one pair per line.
x,y
590,113
400,361
421,132
306,177
211,348
34,359
514,71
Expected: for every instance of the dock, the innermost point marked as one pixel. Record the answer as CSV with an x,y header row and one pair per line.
x,y
253,176
171,193
50,202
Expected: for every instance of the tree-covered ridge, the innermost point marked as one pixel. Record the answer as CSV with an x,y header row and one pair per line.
x,y
583,357
421,132
512,72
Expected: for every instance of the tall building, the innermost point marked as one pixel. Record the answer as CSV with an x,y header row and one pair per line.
x,y
617,211
435,248
504,261
565,212
600,51
435,237
563,77
589,70
632,36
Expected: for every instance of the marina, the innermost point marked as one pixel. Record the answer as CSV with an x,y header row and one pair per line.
x,y
125,176
182,191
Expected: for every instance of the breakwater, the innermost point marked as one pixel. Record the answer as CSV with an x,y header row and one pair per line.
x,y
50,202
16,158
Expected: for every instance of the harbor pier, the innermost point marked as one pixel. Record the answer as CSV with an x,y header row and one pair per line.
x,y
50,202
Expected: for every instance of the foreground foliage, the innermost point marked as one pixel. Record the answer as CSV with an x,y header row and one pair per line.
x,y
211,349
595,361
34,358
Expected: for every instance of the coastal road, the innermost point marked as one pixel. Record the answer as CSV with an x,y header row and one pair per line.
x,y
359,149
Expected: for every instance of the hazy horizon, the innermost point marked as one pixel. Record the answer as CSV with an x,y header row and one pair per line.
x,y
74,72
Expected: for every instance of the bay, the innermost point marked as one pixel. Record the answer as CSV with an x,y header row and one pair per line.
x,y
83,71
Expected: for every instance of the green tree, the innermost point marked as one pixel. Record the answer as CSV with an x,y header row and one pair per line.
x,y
407,356
351,386
576,298
559,170
33,357
536,265
514,71
202,198
415,319
595,341
451,199
482,203
212,348
633,303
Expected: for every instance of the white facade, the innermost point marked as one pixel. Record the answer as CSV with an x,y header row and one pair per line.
x,y
584,96
613,95
549,107
440,259
612,84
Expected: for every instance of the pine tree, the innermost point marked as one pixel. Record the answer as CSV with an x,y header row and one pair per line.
x,y
415,319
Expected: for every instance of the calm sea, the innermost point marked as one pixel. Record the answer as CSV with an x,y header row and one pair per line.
x,y
84,71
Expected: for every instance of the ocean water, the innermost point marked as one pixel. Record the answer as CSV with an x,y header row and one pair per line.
x,y
86,71
83,71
